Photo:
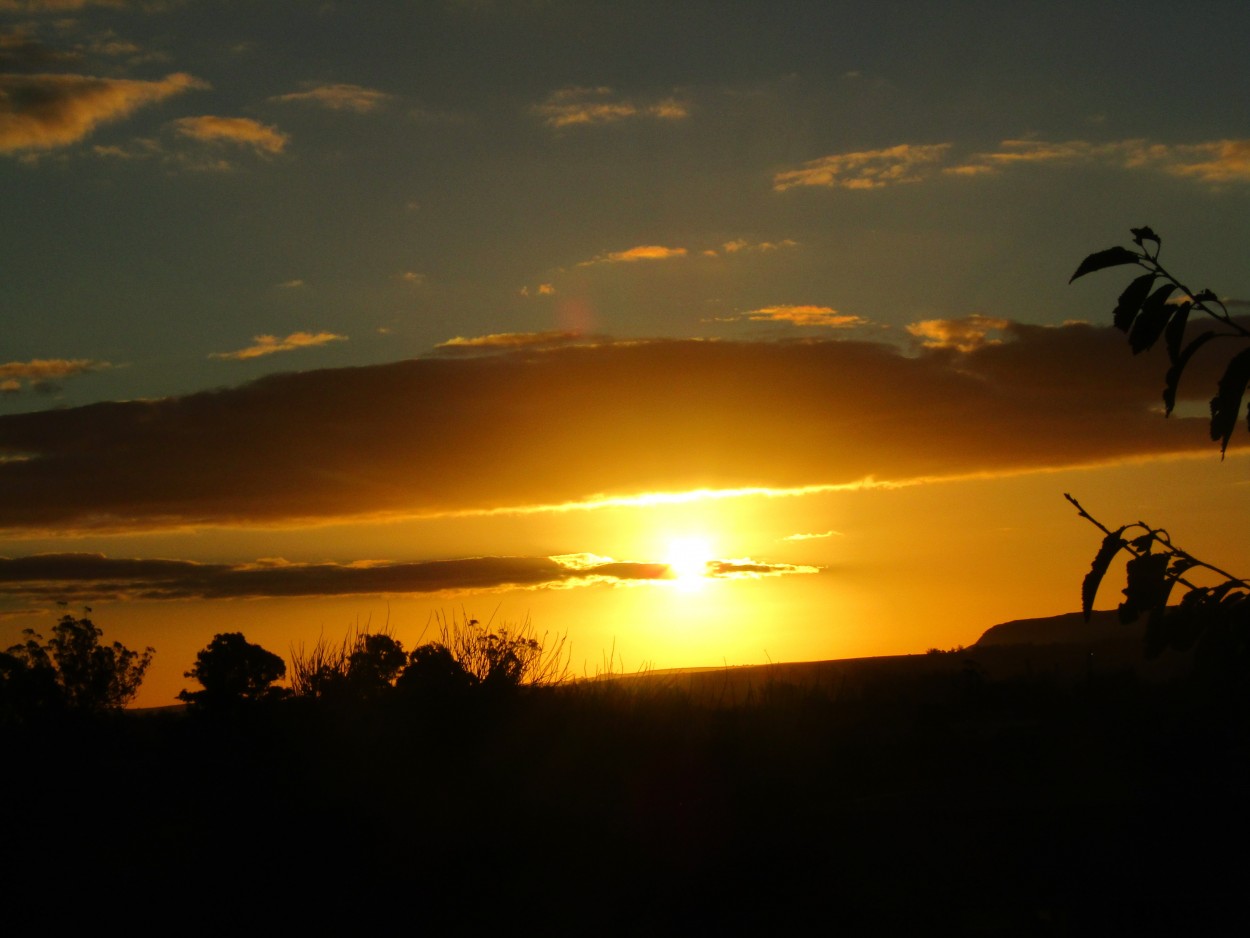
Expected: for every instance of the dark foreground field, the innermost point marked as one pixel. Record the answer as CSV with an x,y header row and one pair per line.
x,y
986,792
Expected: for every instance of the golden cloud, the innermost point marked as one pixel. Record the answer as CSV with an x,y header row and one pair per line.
x,y
240,130
806,316
964,335
270,344
338,97
504,341
41,371
41,112
58,6
868,169
1215,162
643,252
569,107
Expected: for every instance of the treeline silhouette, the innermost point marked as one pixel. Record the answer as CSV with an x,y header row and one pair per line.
x,y
405,789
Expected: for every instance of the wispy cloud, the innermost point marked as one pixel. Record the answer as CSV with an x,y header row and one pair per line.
x,y
866,169
1213,162
508,431
338,97
810,537
271,344
42,373
643,252
507,341
570,107
741,246
747,569
964,335
41,112
61,6
96,577
801,315
243,131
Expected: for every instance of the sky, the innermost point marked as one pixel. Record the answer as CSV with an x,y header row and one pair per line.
x,y
700,333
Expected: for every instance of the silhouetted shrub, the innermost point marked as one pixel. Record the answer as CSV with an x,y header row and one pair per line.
x,y
364,664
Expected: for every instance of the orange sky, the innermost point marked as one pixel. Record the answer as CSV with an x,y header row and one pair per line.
x,y
326,314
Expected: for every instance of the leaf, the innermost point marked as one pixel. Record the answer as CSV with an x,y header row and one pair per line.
x,y
1227,403
1173,377
1175,332
1154,317
1111,545
1131,300
1147,585
1144,234
1112,257
1180,564
1143,542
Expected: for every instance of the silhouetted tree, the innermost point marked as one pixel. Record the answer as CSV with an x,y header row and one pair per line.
x,y
233,671
71,670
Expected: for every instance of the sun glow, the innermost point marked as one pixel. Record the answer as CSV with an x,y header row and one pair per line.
x,y
687,558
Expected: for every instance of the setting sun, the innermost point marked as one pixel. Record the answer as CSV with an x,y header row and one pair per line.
x,y
688,558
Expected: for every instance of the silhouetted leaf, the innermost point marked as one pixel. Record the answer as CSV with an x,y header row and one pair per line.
x,y
1144,234
1131,300
1111,545
1112,257
1227,403
1147,585
1175,332
1150,323
1144,542
1173,377
1180,564
1204,296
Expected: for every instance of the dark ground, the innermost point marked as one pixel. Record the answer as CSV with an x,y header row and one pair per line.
x,y
981,793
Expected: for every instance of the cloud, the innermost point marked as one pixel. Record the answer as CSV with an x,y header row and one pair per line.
x,y
804,316
741,245
271,344
543,289
570,107
506,341
292,284
1214,162
60,6
96,577
42,112
811,537
643,252
339,97
236,130
748,569
39,373
964,335
589,423
868,169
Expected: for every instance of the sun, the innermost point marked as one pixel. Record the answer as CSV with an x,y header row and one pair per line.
x,y
687,558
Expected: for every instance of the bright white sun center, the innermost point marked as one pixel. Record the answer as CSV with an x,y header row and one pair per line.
x,y
687,558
